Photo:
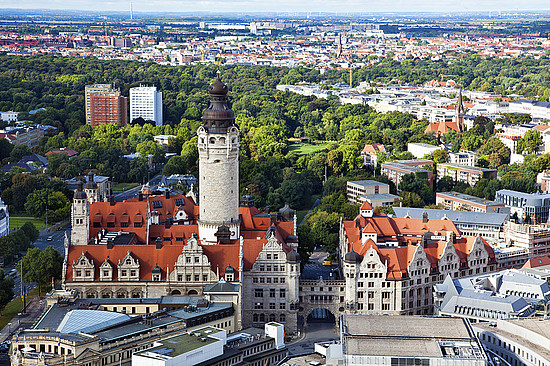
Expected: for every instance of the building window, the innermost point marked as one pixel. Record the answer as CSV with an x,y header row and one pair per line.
x,y
282,293
137,224
272,292
258,305
258,293
282,306
123,224
272,305
282,318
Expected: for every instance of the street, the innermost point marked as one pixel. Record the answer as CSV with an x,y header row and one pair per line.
x,y
314,333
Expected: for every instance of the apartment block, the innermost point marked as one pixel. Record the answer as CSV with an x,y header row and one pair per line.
x,y
89,89
463,157
464,173
395,170
464,202
146,102
108,108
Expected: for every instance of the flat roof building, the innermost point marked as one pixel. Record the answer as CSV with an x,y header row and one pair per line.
x,y
395,170
406,340
376,193
459,201
489,225
534,206
465,173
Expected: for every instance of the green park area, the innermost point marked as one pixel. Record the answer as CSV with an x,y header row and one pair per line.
x,y
18,221
304,149
15,306
118,187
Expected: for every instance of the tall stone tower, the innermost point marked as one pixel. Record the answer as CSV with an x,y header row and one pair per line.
x,y
459,113
80,216
218,168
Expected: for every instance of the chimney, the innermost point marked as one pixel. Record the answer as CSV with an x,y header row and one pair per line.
x,y
112,200
140,197
168,223
425,217
273,218
109,243
158,243
167,194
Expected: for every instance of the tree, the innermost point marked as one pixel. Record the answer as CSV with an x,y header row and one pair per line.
x,y
19,151
40,266
529,142
5,148
440,156
6,290
30,231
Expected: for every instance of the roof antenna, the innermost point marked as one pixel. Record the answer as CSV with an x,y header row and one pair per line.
x,y
218,73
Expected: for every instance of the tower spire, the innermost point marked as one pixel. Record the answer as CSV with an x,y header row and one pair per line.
x,y
459,115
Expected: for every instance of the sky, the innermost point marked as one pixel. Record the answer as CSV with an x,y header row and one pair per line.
x,y
340,6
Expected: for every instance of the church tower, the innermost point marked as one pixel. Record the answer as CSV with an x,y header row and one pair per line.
x,y
218,167
459,113
80,216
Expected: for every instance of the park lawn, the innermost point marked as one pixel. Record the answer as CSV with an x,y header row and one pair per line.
x,y
300,216
125,186
14,307
304,149
18,221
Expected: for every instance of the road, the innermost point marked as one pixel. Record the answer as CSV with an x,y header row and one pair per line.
x,y
314,333
133,192
57,242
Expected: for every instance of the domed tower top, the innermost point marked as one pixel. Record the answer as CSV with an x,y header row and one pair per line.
x,y
218,117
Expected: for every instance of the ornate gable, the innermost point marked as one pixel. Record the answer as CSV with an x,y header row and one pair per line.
x,y
128,268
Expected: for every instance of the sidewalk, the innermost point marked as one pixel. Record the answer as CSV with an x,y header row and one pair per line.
x,y
24,321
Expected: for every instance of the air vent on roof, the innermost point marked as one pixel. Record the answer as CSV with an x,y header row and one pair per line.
x,y
157,204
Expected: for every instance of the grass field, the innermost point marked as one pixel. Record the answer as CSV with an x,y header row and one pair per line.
x,y
15,306
304,149
125,186
300,216
18,221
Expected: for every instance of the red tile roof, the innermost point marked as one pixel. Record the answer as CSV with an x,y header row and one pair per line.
x,y
254,226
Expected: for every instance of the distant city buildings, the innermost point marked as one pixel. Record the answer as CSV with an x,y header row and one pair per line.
x,y
146,102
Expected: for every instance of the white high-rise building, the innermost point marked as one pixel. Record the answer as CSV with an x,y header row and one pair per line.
x,y
146,102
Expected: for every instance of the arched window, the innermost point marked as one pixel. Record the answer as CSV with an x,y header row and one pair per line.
x,y
262,318
255,318
176,292
192,293
271,317
212,140
282,318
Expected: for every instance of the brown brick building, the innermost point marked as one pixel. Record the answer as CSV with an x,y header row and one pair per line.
x,y
108,108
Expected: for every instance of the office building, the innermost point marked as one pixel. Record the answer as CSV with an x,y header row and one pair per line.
x,y
533,207
502,295
463,157
146,102
516,341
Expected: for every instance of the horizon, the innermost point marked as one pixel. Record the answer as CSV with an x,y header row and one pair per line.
x,y
311,8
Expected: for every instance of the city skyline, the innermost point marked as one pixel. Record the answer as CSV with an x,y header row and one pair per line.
x,y
247,6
